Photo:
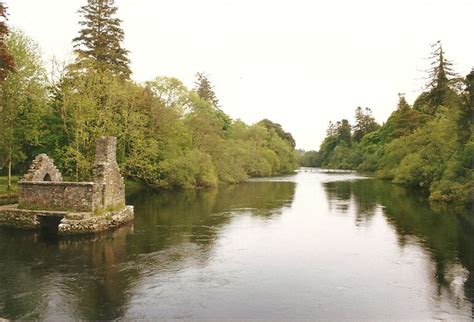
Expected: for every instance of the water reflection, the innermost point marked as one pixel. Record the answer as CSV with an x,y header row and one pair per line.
x,y
95,277
312,248
446,234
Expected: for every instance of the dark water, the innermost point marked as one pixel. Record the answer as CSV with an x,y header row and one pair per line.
x,y
308,246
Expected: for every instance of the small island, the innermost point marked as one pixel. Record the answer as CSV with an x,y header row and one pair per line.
x,y
48,203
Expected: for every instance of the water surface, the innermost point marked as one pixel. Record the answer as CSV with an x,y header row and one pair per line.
x,y
306,246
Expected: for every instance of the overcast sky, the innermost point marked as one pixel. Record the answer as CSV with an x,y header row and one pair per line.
x,y
300,63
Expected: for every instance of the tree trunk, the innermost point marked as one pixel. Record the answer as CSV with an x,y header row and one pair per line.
x,y
9,180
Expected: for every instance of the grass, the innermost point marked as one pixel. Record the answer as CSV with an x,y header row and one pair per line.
x,y
3,186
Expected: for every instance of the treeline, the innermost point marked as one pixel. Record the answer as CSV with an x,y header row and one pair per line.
x,y
428,146
169,136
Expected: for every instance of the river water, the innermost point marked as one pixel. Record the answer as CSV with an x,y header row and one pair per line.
x,y
306,246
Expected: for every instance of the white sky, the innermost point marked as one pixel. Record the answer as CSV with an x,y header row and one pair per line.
x,y
300,63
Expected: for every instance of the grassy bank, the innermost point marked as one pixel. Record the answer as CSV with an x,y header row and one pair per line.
x,y
4,193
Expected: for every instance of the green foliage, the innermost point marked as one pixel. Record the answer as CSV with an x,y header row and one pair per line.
x,y
98,45
428,147
365,123
279,131
310,159
194,169
24,103
168,136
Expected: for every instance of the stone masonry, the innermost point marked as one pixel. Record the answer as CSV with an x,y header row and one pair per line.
x,y
109,183
43,169
80,207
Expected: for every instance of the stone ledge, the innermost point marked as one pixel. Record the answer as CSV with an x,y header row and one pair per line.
x,y
72,223
51,183
95,224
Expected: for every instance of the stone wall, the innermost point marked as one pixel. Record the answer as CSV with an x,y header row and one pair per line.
x,y
110,184
88,223
23,219
43,169
67,196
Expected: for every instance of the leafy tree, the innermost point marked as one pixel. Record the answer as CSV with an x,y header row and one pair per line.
x,y
365,123
279,131
7,63
24,103
99,42
344,132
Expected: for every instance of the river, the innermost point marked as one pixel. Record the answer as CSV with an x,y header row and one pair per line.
x,y
306,246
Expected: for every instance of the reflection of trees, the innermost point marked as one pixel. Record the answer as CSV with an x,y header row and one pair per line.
x,y
264,198
80,273
93,277
446,234
170,218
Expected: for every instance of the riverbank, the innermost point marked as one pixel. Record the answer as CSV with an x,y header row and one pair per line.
x,y
8,194
435,200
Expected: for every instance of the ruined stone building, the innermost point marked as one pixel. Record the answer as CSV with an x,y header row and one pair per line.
x,y
74,207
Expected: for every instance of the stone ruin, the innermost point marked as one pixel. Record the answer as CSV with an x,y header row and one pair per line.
x,y
44,199
42,186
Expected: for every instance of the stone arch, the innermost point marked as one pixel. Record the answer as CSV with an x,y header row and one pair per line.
x,y
43,169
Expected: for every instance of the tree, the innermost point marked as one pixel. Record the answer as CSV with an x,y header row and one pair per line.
x,y
441,76
24,103
99,42
365,123
7,63
344,132
205,90
470,89
402,103
279,131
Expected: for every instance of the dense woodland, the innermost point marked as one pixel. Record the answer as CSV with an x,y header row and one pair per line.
x,y
169,136
427,146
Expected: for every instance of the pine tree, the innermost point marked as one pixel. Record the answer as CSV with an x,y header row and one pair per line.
x,y
470,89
7,63
99,41
402,103
441,75
204,89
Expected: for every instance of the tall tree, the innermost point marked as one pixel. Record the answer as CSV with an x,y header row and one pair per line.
x,y
440,76
344,132
365,123
7,63
470,89
205,90
100,40
24,103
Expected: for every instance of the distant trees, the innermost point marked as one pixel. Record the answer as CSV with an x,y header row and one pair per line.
x,y
7,63
99,44
429,147
310,159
